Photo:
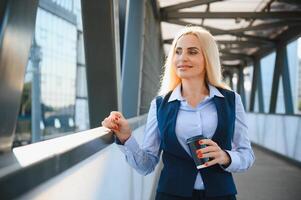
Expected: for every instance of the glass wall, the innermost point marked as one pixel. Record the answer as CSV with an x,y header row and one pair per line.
x,y
267,71
54,101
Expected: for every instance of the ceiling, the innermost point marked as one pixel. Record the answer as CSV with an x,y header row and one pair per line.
x,y
244,29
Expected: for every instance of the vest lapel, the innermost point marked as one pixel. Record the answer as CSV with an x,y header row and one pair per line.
x,y
222,134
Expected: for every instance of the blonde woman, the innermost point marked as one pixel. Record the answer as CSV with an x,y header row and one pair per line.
x,y
192,101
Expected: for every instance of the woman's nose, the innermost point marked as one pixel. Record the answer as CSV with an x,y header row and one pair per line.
x,y
183,56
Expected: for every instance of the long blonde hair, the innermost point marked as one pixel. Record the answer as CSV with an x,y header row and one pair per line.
x,y
170,80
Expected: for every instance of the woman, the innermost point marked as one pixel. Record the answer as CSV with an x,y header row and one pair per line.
x,y
192,101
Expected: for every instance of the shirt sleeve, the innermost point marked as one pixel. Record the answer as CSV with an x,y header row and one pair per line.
x,y
242,155
145,158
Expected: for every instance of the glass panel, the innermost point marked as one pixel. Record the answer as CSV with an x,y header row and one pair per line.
x,y
267,71
54,107
293,65
256,102
248,76
235,81
280,107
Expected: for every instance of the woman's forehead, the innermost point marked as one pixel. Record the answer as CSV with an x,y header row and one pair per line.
x,y
188,40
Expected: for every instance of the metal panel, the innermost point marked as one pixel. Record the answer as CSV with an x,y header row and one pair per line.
x,y
101,39
132,58
17,31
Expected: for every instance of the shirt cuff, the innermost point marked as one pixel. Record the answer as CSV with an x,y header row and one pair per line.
x,y
234,162
129,145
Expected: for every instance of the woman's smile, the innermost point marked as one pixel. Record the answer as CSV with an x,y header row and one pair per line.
x,y
181,67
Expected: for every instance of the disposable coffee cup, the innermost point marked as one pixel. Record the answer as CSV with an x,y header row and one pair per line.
x,y
194,145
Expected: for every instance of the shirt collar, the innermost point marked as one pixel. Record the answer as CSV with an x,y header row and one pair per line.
x,y
213,91
176,93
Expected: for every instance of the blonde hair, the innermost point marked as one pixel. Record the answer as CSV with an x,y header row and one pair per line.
x,y
170,80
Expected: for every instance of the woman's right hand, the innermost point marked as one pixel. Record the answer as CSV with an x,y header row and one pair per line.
x,y
119,125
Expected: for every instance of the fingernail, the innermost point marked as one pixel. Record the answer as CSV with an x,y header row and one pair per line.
x,y
200,155
200,142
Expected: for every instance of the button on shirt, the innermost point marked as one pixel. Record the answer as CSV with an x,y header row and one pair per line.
x,y
190,122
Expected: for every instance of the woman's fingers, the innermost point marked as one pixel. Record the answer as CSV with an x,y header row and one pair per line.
x,y
212,151
208,142
211,162
208,149
109,123
116,114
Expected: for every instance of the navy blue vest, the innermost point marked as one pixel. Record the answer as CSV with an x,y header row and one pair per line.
x,y
179,172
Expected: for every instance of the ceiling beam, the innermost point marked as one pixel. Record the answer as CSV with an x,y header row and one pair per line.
x,y
295,2
216,31
266,26
240,55
188,4
285,15
245,43
283,39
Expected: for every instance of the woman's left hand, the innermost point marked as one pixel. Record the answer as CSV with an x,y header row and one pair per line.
x,y
213,151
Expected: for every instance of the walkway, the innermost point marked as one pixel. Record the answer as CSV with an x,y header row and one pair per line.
x,y
270,178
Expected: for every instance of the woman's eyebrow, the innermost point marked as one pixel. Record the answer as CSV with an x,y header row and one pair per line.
x,y
190,48
193,48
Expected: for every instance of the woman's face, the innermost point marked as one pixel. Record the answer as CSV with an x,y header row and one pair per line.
x,y
188,58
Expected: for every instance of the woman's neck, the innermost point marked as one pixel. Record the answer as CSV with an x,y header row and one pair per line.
x,y
194,90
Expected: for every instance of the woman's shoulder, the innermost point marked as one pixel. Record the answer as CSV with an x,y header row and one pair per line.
x,y
164,96
226,91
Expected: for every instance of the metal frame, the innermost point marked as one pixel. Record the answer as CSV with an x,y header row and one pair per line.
x,y
132,58
240,85
291,15
254,40
257,86
102,53
281,69
17,31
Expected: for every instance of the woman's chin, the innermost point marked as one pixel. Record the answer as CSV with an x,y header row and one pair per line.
x,y
184,75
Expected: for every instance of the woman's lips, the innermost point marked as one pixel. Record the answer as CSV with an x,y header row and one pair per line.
x,y
184,66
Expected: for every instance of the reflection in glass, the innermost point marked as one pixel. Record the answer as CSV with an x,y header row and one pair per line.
x,y
50,95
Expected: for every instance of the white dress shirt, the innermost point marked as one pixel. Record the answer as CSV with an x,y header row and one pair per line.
x,y
190,122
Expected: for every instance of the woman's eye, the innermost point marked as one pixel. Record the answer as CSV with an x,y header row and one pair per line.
x,y
178,52
193,52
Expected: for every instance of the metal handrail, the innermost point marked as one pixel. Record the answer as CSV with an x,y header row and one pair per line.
x,y
20,171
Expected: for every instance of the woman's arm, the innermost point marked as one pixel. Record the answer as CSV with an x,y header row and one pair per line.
x,y
144,158
242,155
